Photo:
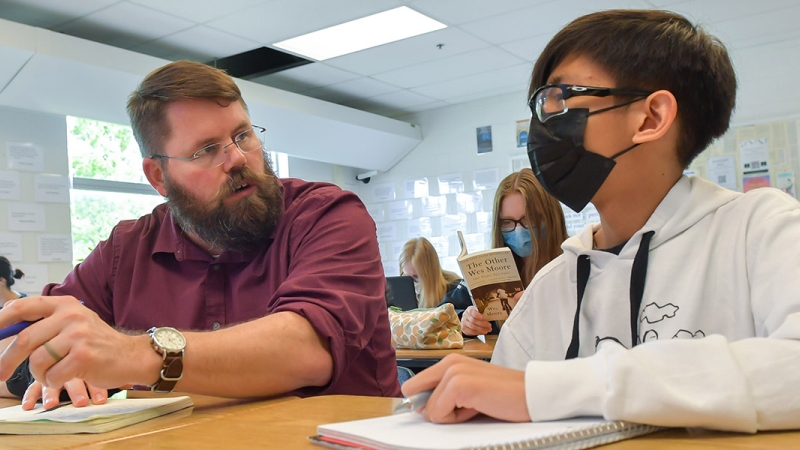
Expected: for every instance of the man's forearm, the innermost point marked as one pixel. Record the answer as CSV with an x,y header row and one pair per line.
x,y
268,356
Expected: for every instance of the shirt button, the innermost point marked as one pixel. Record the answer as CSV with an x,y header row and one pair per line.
x,y
215,266
215,326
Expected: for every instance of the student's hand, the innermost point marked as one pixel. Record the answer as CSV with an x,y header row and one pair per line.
x,y
472,323
80,394
80,345
464,386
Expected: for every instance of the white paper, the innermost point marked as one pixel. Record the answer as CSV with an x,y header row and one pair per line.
x,y
451,183
475,242
26,217
484,221
754,155
25,156
441,245
400,210
722,170
50,188
376,211
485,179
786,183
690,172
416,188
55,247
590,214
452,223
11,246
385,249
390,269
397,250
420,227
573,221
386,231
9,185
469,203
36,276
450,263
434,206
519,162
383,192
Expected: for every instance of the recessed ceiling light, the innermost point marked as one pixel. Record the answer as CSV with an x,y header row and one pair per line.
x,y
371,31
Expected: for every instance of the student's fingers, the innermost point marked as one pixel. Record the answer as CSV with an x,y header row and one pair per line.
x,y
32,395
28,343
32,308
478,388
430,377
98,395
78,393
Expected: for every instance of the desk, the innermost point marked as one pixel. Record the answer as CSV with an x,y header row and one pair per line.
x,y
473,348
287,425
205,409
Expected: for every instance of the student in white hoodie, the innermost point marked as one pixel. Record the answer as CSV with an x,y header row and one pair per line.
x,y
682,306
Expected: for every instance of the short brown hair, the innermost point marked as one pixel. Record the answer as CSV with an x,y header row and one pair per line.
x,y
179,80
541,208
654,50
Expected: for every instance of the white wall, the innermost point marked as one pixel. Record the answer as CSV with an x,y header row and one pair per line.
x,y
49,132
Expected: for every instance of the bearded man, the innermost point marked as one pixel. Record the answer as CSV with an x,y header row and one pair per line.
x,y
240,285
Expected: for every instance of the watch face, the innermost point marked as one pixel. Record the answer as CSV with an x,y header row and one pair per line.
x,y
170,339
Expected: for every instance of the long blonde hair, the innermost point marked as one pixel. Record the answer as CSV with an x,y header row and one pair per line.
x,y
540,209
433,280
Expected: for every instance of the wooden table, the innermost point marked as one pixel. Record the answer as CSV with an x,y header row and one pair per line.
x,y
287,425
205,409
473,348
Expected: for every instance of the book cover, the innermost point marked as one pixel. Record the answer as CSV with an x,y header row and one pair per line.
x,y
492,278
67,419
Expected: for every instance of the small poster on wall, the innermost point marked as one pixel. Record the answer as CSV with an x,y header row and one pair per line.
x,y
755,181
785,182
722,170
484,139
522,132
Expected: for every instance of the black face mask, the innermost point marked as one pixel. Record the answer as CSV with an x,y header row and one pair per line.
x,y
568,171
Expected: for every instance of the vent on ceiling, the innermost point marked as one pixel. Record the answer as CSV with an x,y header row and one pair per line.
x,y
258,62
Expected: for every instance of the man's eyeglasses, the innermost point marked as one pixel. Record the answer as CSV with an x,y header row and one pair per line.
x,y
509,225
214,155
550,100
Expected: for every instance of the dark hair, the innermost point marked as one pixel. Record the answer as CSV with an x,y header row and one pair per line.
x,y
9,273
654,50
179,80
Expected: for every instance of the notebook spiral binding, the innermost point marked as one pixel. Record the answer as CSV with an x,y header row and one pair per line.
x,y
580,439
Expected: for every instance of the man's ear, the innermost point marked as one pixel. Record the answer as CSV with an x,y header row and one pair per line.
x,y
658,116
155,175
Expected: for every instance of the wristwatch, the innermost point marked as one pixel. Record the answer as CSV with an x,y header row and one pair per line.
x,y
170,344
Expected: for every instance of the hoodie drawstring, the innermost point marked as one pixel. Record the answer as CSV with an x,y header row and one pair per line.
x,y
638,275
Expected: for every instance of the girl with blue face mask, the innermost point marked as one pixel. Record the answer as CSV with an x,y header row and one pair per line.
x,y
530,222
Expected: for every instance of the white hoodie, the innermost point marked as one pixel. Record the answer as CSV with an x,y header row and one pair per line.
x,y
719,320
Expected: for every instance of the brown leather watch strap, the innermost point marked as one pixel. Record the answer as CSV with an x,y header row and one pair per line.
x,y
171,372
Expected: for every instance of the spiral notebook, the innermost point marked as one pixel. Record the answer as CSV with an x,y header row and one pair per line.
x,y
411,432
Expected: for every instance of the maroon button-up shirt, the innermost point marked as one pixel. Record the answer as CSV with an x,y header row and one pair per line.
x,y
322,262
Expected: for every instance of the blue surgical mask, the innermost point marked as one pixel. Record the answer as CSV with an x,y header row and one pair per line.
x,y
519,241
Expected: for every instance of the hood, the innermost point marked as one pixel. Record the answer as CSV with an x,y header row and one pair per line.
x,y
690,200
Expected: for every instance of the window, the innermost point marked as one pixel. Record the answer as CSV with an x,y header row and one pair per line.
x,y
108,184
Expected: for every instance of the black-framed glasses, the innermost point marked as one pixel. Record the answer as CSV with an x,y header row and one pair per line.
x,y
508,225
214,155
550,100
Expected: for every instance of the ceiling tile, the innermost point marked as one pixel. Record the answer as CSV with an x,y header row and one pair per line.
x,y
528,49
124,25
515,77
345,92
412,109
542,19
199,43
198,11
714,11
274,21
758,28
456,12
48,13
408,52
305,77
397,100
457,66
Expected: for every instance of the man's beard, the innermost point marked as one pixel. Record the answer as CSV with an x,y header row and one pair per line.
x,y
238,226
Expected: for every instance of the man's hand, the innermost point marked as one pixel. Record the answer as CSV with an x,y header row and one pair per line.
x,y
463,387
71,341
473,324
80,394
